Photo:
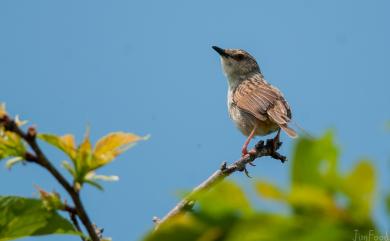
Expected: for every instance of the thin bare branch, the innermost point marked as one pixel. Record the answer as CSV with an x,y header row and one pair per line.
x,y
73,217
260,150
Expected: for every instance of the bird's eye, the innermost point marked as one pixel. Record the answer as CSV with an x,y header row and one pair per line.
x,y
239,57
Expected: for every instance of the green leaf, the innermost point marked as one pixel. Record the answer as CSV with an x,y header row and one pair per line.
x,y
65,143
84,159
179,228
111,145
69,168
315,161
21,217
275,227
270,191
260,227
95,184
91,178
51,200
11,145
311,197
87,159
225,198
359,185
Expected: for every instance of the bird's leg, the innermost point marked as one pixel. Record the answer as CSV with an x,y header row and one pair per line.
x,y
245,146
276,140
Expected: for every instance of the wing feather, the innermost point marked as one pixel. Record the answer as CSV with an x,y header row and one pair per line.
x,y
263,101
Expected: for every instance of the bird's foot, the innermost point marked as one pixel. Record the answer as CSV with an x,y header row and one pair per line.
x,y
276,141
243,169
246,172
245,152
271,146
274,145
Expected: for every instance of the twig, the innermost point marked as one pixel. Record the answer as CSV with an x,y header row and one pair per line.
x,y
260,150
39,158
73,217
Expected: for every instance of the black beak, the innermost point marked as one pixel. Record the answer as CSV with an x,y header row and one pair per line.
x,y
221,51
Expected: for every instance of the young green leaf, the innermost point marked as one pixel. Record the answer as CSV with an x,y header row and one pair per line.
x,y
106,178
69,168
20,122
91,178
65,143
11,145
94,183
87,159
315,161
110,146
84,159
51,200
11,162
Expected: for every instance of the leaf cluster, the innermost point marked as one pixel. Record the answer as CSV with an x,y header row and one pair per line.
x,y
20,216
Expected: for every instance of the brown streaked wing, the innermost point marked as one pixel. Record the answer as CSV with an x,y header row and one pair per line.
x,y
263,101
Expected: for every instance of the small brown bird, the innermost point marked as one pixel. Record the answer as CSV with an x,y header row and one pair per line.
x,y
256,107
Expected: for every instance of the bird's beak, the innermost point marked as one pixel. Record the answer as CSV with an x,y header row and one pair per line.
x,y
221,51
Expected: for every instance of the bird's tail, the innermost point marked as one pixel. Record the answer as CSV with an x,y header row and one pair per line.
x,y
290,132
303,130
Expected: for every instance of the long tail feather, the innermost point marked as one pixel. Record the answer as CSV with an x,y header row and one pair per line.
x,y
290,132
308,134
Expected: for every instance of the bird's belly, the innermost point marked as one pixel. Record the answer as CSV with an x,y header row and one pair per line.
x,y
245,122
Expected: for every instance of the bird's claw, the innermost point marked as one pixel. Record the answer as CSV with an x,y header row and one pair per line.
x,y
275,144
242,168
246,172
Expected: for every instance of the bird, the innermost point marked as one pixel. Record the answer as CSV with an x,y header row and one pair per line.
x,y
256,107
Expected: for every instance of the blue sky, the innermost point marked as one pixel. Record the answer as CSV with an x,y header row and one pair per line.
x,y
147,67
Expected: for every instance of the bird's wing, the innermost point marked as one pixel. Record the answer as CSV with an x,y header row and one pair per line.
x,y
262,100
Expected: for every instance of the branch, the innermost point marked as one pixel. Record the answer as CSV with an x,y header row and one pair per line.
x,y
39,158
260,150
73,217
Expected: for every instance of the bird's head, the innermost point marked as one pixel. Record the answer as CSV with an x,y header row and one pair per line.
x,y
237,63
